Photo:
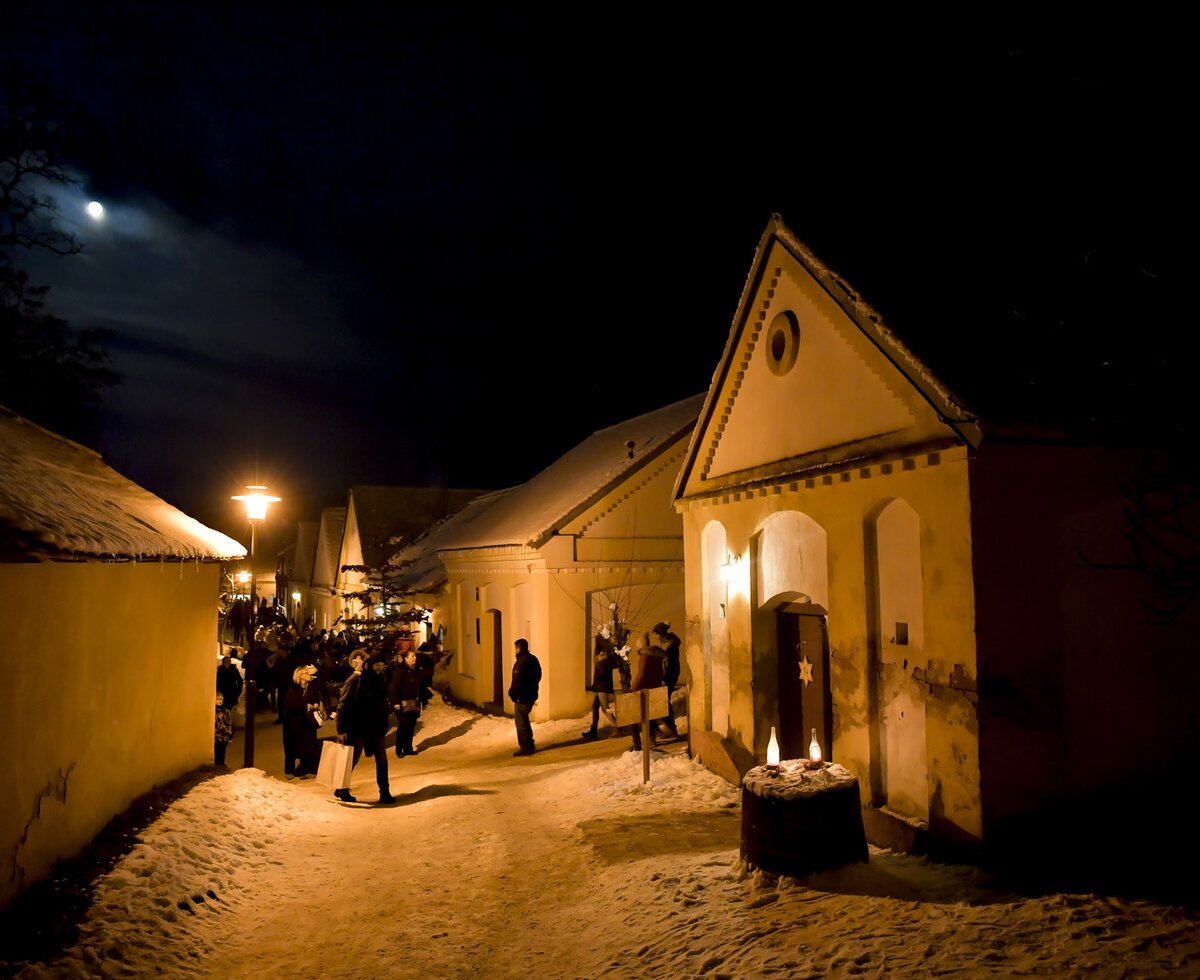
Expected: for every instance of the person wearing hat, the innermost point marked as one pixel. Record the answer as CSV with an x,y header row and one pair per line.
x,y
669,642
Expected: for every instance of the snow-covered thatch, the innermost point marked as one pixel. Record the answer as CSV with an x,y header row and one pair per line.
x,y
61,500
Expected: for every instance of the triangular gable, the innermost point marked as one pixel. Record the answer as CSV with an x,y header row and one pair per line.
x,y
640,506
305,553
329,546
810,377
530,514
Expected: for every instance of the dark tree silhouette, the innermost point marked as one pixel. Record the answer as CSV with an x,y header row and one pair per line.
x,y
49,373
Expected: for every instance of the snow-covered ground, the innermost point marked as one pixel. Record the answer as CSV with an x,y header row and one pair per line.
x,y
562,864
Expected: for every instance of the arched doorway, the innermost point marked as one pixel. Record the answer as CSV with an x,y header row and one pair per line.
x,y
792,689
493,638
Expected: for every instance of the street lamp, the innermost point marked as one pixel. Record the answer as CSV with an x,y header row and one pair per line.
x,y
256,500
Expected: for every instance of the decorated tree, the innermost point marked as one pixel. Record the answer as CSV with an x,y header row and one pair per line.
x,y
382,606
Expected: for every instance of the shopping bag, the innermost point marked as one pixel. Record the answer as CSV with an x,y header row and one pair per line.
x,y
337,762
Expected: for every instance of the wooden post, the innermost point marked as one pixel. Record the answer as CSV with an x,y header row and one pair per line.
x,y
687,713
645,699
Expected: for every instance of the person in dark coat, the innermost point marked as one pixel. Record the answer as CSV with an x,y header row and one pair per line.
x,y
651,666
362,718
404,695
301,749
668,642
229,680
239,616
427,657
604,657
526,678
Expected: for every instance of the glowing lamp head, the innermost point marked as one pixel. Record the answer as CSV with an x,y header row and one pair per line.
x,y
243,577
295,597
256,502
95,210
773,751
814,748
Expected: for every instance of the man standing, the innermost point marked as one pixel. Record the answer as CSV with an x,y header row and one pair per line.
x,y
526,676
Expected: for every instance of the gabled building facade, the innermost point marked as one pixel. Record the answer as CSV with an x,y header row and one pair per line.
x,y
869,561
592,536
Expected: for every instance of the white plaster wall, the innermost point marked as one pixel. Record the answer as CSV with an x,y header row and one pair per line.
x,y
109,676
548,604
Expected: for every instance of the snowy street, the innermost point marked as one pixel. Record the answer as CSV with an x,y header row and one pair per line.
x,y
562,864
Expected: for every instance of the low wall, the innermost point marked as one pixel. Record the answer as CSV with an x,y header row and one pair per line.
x,y
109,676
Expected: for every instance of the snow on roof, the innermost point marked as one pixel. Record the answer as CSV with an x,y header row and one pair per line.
x,y
58,499
528,514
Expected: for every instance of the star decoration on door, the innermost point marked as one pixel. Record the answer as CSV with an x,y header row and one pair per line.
x,y
806,669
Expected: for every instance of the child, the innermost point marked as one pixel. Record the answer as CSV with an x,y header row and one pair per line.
x,y
224,730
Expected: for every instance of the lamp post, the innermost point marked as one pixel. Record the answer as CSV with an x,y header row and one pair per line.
x,y
256,500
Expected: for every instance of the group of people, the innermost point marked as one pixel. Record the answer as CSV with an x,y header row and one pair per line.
x,y
310,677
329,676
657,666
380,684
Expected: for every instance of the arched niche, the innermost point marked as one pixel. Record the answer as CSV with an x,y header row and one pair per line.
x,y
714,551
792,563
899,646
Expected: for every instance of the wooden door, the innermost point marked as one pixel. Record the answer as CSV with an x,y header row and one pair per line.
x,y
805,700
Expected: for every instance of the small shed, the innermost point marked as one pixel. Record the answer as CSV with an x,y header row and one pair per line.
x,y
108,633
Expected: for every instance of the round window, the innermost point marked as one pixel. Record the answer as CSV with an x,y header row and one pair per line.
x,y
783,342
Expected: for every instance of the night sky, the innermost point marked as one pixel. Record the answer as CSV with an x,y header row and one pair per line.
x,y
369,243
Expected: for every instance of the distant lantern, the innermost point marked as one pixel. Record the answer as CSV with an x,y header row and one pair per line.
x,y
773,751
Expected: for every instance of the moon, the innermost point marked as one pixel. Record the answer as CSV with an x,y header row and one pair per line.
x,y
95,209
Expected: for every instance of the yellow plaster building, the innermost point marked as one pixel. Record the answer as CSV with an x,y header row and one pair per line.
x,y
550,559
867,560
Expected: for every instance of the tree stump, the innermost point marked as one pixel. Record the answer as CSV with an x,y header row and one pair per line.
x,y
797,820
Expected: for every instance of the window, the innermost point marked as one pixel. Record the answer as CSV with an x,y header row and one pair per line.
x,y
783,343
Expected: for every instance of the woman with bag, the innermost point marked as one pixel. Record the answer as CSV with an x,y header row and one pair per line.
x,y
404,695
362,719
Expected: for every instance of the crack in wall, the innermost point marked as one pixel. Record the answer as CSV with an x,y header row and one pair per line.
x,y
55,789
